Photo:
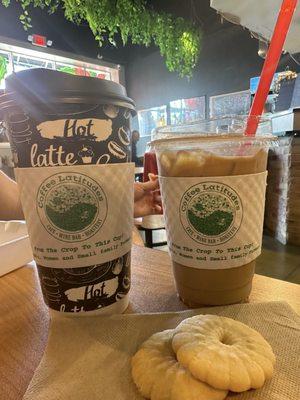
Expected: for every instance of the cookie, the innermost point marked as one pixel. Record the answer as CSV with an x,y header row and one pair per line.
x,y
159,376
224,353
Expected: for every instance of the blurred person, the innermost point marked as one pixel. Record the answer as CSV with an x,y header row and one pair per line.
x,y
134,158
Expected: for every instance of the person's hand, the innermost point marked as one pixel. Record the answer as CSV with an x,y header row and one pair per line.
x,y
147,199
10,205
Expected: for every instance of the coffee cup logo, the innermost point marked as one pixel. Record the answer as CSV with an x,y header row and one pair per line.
x,y
86,154
72,207
211,213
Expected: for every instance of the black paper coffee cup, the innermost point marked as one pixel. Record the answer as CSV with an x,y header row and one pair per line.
x,y
57,119
70,123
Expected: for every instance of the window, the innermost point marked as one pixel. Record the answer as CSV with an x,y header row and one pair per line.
x,y
98,73
82,71
21,62
151,119
18,59
187,110
237,103
5,55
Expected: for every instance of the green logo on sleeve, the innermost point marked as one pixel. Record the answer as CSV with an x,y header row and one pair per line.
x,y
211,212
72,206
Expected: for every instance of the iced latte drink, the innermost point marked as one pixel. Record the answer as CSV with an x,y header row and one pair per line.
x,y
213,188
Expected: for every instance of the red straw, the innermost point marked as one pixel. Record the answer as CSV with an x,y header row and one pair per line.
x,y
271,62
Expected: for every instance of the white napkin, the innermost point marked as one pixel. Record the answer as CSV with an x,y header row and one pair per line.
x,y
89,358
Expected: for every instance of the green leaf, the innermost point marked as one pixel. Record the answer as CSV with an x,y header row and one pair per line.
x,y
178,40
3,67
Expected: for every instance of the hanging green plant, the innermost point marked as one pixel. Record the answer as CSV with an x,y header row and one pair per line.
x,y
3,67
179,40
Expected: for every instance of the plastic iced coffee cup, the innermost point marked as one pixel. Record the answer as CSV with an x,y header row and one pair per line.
x,y
213,181
71,144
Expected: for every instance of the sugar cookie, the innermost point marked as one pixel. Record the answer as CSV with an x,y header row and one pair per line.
x,y
222,352
159,376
